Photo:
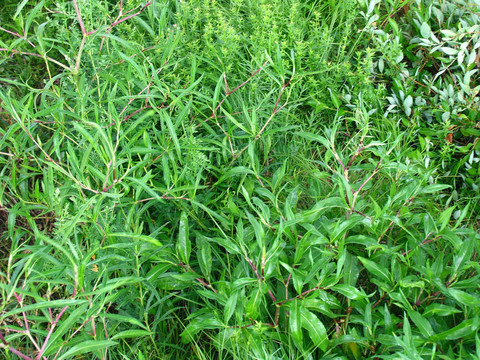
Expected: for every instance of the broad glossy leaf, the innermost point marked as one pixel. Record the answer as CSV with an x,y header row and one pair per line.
x,y
320,306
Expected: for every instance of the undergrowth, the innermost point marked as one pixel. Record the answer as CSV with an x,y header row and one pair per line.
x,y
239,179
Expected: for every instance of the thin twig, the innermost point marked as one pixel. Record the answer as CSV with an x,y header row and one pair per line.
x,y
15,51
18,35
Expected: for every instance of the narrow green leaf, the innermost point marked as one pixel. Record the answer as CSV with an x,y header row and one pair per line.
x,y
335,99
315,328
124,319
440,310
315,137
204,255
228,244
197,325
375,269
183,243
464,254
465,298
66,325
43,305
422,324
87,347
19,8
444,217
295,322
239,170
134,333
113,284
349,291
138,237
171,129
230,307
434,188
32,14
463,330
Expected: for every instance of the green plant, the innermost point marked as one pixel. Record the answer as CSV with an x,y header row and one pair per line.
x,y
212,179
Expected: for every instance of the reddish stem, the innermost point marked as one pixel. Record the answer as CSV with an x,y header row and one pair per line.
x,y
130,16
229,92
18,35
79,17
359,150
2,339
50,332
252,265
18,353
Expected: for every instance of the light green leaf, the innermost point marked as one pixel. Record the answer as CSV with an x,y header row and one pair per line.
x,y
204,255
134,333
183,243
139,237
449,51
87,347
434,188
425,30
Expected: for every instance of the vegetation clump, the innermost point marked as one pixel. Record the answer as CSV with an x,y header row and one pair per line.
x,y
239,179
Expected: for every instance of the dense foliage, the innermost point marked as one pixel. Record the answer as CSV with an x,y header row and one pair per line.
x,y
239,179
